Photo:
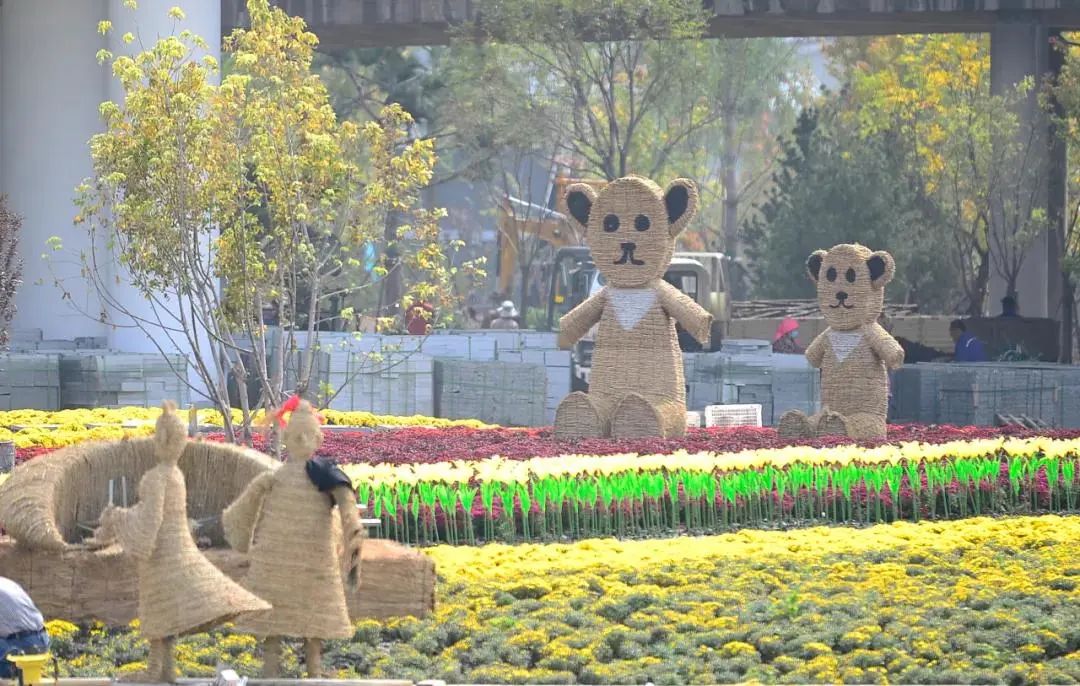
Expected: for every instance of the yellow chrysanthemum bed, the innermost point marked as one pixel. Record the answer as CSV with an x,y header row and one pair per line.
x,y
974,601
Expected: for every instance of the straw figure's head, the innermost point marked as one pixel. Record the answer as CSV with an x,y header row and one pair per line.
x,y
631,225
170,434
303,434
850,284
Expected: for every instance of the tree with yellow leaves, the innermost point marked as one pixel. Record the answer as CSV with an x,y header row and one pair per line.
x,y
248,204
975,163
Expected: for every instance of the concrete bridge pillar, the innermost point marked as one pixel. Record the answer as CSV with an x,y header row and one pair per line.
x,y
1020,48
150,22
50,89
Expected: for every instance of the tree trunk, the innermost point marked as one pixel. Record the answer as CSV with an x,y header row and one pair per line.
x,y
526,270
391,292
730,180
1068,316
979,287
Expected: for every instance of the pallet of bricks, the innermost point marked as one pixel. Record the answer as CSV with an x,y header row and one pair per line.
x,y
747,372
975,394
364,377
505,393
29,381
110,379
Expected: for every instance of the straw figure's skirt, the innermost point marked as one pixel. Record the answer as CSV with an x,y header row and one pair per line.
x,y
180,591
295,561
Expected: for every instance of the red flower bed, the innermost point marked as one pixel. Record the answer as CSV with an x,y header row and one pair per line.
x,y
415,445
404,446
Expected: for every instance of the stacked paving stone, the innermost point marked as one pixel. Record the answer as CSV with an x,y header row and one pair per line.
x,y
746,372
53,374
444,374
29,381
974,394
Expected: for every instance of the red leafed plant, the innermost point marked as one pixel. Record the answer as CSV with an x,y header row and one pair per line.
x,y
416,445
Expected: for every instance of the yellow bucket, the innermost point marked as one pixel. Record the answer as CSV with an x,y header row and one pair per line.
x,y
31,668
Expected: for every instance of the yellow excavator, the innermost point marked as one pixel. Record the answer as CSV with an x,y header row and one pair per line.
x,y
520,219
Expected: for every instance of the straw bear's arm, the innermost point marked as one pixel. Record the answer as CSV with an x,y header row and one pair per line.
x,y
353,534
815,354
577,322
238,519
886,347
136,528
679,306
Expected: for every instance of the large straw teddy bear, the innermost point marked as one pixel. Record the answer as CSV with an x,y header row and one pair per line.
x,y
636,385
854,351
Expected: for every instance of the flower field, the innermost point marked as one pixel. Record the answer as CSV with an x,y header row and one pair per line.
x,y
465,485
34,431
580,496
981,601
938,555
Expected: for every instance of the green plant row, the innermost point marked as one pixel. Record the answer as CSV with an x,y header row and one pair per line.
x,y
663,503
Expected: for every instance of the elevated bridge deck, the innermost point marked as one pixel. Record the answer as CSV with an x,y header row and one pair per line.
x,y
381,23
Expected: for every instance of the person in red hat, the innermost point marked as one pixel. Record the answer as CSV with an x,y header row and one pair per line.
x,y
785,340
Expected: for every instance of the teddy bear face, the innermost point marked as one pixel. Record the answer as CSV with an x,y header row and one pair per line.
x,y
850,284
631,225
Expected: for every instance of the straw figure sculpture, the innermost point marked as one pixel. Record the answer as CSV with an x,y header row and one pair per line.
x,y
854,351
636,385
301,554
180,591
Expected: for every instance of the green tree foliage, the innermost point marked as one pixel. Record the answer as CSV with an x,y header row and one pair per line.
x,y
976,162
834,186
255,184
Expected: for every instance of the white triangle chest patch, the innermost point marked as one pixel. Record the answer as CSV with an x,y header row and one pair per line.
x,y
631,305
843,343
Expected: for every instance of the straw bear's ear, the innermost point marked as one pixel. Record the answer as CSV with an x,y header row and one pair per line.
x,y
681,203
168,406
813,264
580,198
882,268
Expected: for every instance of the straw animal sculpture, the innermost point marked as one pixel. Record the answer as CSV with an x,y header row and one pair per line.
x,y
854,351
180,591
301,555
636,385
48,502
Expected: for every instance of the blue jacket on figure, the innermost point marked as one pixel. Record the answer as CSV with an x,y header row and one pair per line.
x,y
968,348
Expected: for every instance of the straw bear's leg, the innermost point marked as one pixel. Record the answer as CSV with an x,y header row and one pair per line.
x,y
636,417
577,417
795,424
313,657
862,426
673,418
272,657
831,424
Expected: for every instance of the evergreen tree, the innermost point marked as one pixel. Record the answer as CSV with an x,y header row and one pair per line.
x,y
832,187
